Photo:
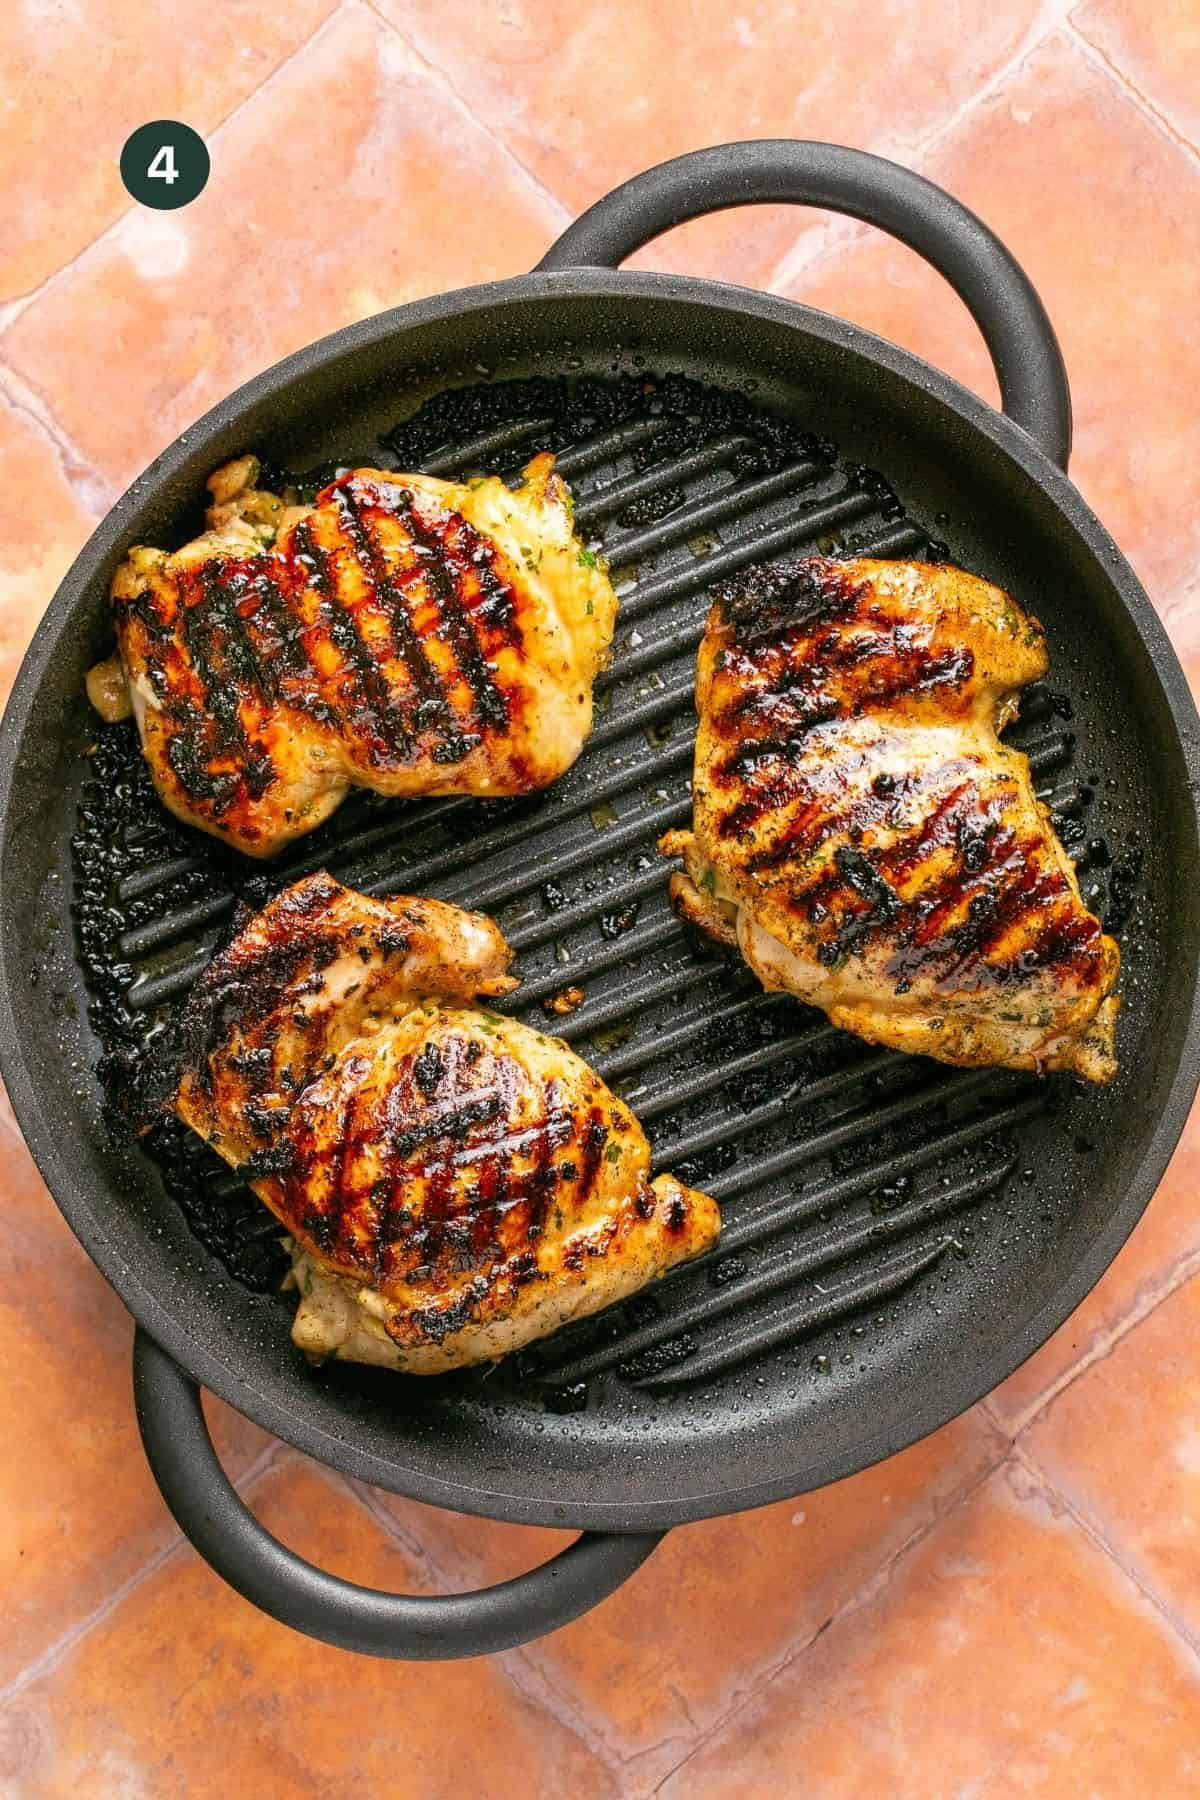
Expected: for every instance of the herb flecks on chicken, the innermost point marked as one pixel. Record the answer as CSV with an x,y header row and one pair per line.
x,y
454,1183
864,836
404,634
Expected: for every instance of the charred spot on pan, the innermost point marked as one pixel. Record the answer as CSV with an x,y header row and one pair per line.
x,y
578,406
649,1363
615,924
1124,883
570,1399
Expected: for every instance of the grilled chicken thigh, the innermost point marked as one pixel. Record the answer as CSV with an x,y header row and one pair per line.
x,y
863,835
454,1183
405,634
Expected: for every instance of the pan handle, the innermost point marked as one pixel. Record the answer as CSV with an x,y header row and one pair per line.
x,y
269,1575
999,294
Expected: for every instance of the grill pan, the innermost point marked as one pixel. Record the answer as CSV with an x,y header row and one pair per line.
x,y
898,1236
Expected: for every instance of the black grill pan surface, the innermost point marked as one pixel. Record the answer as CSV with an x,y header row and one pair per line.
x,y
897,1235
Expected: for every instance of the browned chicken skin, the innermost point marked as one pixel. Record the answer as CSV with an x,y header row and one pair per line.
x,y
454,1183
863,835
405,634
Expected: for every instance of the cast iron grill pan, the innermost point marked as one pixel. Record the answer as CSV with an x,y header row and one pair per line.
x,y
845,1173
898,1235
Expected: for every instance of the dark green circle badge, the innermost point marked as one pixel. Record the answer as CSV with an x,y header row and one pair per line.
x,y
164,164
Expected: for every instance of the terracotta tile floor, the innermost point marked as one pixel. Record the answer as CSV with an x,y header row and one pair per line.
x,y
1008,1607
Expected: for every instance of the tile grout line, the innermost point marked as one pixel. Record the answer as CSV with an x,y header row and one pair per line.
x,y
1100,1349
71,1638
54,1654
93,486
80,476
1016,1456
93,490
1059,1502
528,1677
795,262
560,1706
361,1493
523,1665
1102,1345
11,310
870,1590
550,199
1119,78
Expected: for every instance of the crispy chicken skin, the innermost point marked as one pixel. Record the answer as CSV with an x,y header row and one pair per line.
x,y
405,634
454,1183
862,834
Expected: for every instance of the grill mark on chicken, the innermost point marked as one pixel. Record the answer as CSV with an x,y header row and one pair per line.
x,y
795,699
488,1201
388,639
538,1185
213,732
859,823
461,1109
492,1194
1004,883
429,1150
882,902
266,609
593,1139
997,890
328,1224
770,600
892,864
407,1132
226,586
445,1165
146,607
796,696
919,921
1036,889
377,711
246,995
965,951
433,709
447,567
825,813
231,673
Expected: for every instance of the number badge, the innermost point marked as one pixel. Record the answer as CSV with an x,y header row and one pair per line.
x,y
164,164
